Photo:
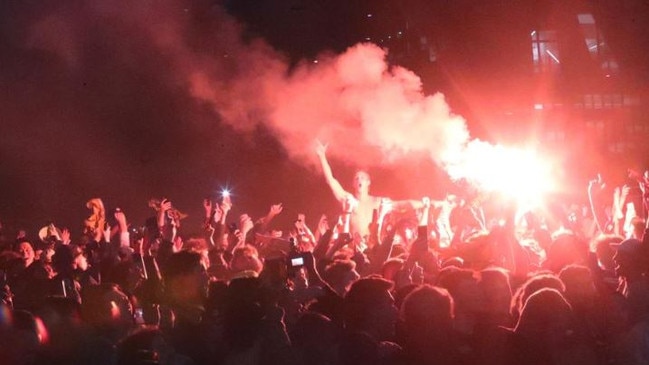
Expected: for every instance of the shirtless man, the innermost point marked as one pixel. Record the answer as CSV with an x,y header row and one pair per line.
x,y
359,204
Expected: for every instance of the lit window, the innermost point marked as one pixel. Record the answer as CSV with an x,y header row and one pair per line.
x,y
617,147
586,19
596,45
596,124
545,51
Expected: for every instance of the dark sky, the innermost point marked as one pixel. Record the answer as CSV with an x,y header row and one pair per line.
x,y
94,103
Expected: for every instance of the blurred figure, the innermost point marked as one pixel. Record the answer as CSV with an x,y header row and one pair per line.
x,y
427,331
546,333
634,285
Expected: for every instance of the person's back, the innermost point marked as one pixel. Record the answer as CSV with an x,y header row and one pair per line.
x,y
426,327
186,285
547,333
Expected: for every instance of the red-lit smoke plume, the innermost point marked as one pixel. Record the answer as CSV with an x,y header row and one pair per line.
x,y
368,111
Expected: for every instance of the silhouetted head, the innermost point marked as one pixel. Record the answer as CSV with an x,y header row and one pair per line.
x,y
369,307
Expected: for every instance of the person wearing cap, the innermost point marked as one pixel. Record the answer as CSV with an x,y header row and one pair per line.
x,y
634,284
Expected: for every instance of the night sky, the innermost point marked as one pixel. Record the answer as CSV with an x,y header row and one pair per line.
x,y
95,103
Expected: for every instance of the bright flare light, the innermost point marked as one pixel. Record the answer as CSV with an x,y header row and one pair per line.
x,y
513,172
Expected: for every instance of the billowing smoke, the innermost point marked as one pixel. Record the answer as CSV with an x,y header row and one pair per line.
x,y
84,72
354,101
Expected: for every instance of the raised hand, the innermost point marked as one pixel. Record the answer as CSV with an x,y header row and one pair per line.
x,y
596,183
51,231
218,214
120,217
323,225
207,206
275,209
165,205
245,222
226,204
320,149
424,212
65,236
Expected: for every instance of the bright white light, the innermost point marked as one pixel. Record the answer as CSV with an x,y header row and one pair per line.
x,y
369,15
586,18
514,172
538,106
552,55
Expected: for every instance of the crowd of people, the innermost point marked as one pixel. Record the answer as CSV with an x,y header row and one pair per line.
x,y
409,282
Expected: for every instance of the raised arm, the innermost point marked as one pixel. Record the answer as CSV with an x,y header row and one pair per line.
x,y
262,224
336,187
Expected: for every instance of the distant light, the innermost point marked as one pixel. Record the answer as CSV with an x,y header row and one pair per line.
x,y
608,75
533,33
315,61
369,15
368,38
225,55
552,55
538,106
399,33
586,18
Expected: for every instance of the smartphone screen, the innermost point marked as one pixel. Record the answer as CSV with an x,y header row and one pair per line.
x,y
297,261
138,316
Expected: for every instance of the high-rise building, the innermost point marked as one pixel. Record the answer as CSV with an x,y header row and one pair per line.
x,y
568,75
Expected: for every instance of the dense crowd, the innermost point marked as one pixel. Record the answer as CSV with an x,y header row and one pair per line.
x,y
412,282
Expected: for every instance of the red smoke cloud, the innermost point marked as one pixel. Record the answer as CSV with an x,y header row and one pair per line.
x,y
368,111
